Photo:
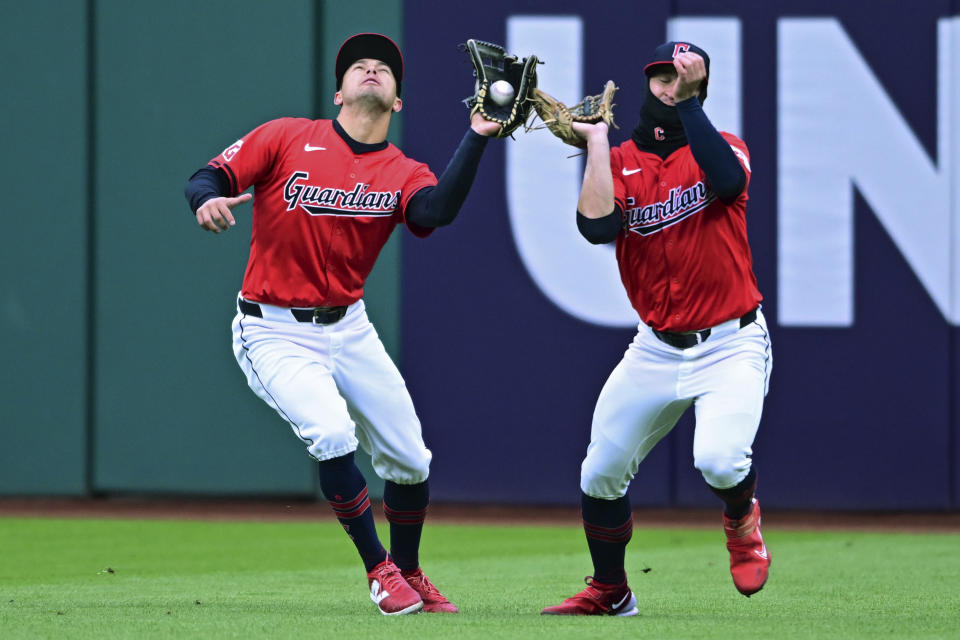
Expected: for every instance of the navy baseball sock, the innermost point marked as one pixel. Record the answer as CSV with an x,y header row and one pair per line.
x,y
346,489
405,506
609,527
738,498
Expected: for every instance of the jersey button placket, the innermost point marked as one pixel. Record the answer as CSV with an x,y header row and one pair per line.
x,y
353,176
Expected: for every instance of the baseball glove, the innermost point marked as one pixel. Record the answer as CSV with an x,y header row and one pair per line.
x,y
559,118
491,63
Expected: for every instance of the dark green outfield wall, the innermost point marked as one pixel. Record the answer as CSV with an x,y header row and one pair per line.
x,y
44,312
118,374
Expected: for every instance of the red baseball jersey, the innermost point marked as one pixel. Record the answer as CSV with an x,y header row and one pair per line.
x,y
683,254
321,212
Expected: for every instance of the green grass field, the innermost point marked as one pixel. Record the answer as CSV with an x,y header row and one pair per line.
x,y
75,578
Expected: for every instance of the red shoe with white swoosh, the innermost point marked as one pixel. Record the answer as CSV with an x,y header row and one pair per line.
x,y
597,599
391,592
749,556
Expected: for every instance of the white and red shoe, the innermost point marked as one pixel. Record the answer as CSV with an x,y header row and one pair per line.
x,y
390,591
749,556
597,599
433,600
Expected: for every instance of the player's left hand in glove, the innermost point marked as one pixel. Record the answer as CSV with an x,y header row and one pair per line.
x,y
491,63
559,118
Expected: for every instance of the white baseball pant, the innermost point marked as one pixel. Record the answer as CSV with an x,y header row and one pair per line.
x,y
726,378
336,386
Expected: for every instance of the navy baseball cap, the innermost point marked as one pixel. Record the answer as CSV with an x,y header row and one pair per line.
x,y
665,53
375,46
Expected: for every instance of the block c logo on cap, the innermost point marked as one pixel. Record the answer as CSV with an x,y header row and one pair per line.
x,y
680,47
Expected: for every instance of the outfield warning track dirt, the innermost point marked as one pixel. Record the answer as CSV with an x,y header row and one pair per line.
x,y
300,510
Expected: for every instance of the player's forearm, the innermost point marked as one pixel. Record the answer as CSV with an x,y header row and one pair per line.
x,y
711,151
205,184
439,206
596,193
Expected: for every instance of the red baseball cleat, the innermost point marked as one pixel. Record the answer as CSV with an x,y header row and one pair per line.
x,y
433,600
391,592
749,557
597,599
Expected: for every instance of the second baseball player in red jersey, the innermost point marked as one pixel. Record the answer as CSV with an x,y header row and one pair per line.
x,y
674,199
328,195
670,209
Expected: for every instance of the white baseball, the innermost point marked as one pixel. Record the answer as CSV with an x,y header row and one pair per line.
x,y
501,92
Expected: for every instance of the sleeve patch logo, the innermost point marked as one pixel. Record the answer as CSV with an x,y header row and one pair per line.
x,y
232,150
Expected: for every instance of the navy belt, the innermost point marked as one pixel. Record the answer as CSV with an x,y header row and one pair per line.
x,y
687,340
317,315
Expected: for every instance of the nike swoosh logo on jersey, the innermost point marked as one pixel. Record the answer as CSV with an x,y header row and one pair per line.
x,y
307,147
376,593
630,172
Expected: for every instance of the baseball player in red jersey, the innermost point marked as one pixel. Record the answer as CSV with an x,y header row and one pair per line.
x,y
328,195
674,198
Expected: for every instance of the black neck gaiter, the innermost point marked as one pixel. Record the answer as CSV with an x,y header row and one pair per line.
x,y
658,120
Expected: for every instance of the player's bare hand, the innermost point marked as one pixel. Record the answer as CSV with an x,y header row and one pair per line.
x,y
214,214
590,131
483,126
691,71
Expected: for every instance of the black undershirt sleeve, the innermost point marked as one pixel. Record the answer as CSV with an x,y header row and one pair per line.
x,y
714,155
205,184
601,230
437,206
